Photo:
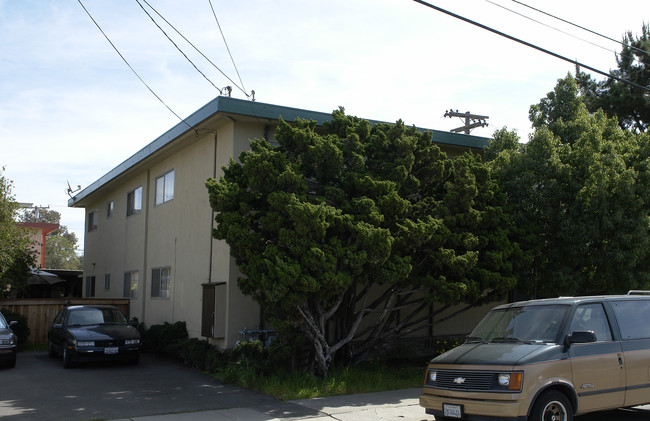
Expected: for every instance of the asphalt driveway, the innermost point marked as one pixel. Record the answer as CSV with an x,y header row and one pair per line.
x,y
39,388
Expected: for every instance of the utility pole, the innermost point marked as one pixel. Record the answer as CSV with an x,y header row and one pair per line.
x,y
472,121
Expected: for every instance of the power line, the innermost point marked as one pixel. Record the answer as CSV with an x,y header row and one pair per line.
x,y
195,48
227,48
176,45
130,67
528,44
581,27
549,26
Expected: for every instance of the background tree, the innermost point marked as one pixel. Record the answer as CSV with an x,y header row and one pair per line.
x,y
579,191
354,222
630,104
16,259
61,244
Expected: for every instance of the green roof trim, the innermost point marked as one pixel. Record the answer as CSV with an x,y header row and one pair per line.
x,y
251,109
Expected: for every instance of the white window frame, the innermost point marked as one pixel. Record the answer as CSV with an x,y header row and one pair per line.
x,y
165,187
161,282
134,202
131,284
110,208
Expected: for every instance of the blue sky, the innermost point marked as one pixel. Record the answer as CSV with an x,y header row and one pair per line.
x,y
71,110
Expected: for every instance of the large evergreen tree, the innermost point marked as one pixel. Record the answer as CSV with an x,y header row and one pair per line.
x,y
630,104
580,194
354,222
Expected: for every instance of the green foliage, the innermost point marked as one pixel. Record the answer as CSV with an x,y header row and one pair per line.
x,y
578,192
15,256
164,338
631,105
21,329
336,210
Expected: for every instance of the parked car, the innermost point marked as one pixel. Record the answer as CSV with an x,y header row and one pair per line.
x,y
8,341
546,360
93,333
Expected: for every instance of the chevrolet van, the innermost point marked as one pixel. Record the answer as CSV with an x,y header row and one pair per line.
x,y
546,359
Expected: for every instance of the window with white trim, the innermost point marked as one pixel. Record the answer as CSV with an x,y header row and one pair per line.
x,y
110,208
131,284
107,282
165,188
134,202
161,282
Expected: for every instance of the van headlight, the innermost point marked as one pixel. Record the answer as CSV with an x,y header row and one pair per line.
x,y
509,381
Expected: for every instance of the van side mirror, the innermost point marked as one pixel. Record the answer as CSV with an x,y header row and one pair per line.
x,y
580,337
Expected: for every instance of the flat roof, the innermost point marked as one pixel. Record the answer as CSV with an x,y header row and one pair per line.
x,y
251,109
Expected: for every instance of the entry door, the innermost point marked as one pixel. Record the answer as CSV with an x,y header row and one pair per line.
x,y
598,368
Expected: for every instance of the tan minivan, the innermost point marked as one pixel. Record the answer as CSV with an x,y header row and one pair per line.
x,y
546,360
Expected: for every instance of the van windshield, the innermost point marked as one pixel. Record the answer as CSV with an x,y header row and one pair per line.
x,y
527,324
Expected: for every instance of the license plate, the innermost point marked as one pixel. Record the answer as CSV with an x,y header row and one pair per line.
x,y
111,350
452,411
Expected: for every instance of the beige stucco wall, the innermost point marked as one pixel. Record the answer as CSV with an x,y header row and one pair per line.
x,y
174,234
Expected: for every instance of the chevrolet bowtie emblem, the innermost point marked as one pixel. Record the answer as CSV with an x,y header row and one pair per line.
x,y
459,380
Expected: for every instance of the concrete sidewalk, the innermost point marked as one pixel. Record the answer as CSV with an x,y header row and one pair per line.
x,y
397,405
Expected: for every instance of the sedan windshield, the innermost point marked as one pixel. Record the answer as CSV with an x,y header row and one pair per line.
x,y
529,324
95,316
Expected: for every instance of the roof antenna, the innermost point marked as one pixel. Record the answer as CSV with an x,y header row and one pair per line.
x,y
70,191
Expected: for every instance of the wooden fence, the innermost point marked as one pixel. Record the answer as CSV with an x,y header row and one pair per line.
x,y
41,311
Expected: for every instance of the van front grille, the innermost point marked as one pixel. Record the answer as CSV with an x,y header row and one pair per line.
x,y
464,380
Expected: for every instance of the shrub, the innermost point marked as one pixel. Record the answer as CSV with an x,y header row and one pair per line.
x,y
164,338
21,329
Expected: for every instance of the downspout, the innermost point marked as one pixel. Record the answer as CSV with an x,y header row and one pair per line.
x,y
214,175
146,245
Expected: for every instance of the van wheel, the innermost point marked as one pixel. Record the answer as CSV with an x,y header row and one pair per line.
x,y
552,406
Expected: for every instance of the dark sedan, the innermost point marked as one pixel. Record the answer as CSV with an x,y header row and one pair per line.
x,y
8,342
93,333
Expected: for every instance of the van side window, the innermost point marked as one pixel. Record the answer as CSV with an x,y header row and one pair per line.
x,y
632,318
591,317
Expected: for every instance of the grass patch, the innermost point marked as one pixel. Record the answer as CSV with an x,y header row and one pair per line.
x,y
362,378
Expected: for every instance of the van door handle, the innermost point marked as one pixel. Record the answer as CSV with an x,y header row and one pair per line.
x,y
620,360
